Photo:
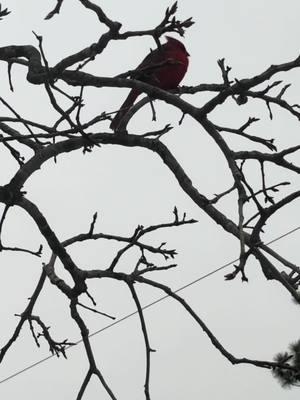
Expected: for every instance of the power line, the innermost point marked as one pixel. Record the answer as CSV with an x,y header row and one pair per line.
x,y
127,316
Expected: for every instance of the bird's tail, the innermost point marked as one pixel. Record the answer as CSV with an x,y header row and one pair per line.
x,y
124,108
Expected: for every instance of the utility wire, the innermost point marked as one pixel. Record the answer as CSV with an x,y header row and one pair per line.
x,y
127,316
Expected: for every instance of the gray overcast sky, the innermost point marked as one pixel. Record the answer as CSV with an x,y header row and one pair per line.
x,y
129,187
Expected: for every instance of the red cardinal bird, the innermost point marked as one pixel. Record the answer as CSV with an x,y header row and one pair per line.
x,y
164,67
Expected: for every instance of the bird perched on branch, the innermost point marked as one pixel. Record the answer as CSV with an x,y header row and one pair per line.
x,y
164,68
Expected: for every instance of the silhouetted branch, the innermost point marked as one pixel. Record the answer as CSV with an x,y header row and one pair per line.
x,y
70,131
146,339
93,369
3,12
